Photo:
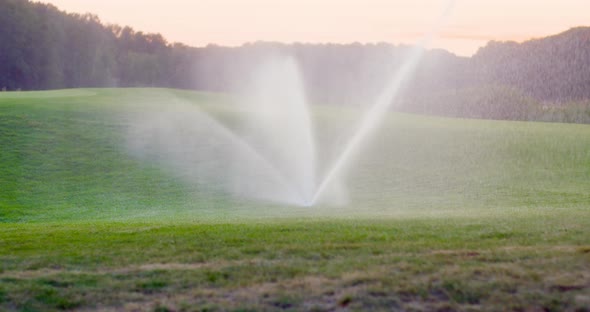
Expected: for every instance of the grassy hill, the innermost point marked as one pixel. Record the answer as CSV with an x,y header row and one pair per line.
x,y
444,214
64,158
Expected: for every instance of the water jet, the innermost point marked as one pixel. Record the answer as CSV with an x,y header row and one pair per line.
x,y
272,153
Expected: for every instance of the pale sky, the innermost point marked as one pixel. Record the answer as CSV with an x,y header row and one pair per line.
x,y
233,22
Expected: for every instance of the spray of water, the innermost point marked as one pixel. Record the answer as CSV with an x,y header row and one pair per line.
x,y
267,154
278,122
375,114
270,153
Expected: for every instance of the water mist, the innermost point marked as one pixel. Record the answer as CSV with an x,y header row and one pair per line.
x,y
270,152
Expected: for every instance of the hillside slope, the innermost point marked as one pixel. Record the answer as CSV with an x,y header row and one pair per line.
x,y
64,157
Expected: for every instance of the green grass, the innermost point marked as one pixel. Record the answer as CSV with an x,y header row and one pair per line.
x,y
445,214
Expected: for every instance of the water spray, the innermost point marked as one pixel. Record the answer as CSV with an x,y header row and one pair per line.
x,y
375,115
273,156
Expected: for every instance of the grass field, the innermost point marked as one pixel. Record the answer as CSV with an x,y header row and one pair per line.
x,y
444,214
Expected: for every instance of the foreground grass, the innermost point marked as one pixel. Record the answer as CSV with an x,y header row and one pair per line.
x,y
445,214
537,260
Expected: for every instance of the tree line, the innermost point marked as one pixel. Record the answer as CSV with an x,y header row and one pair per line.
x,y
42,47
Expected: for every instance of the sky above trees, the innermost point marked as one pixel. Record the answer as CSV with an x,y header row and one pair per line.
x,y
234,22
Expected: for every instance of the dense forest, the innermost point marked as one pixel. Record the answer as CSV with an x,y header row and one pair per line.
x,y
44,48
542,79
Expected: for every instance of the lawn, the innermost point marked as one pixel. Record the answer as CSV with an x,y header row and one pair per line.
x,y
444,214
